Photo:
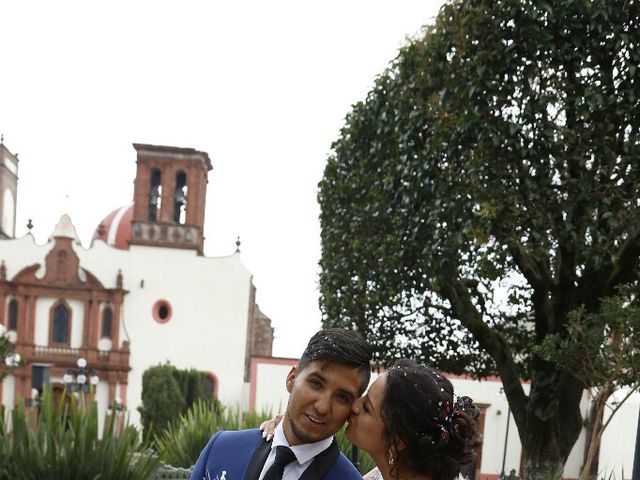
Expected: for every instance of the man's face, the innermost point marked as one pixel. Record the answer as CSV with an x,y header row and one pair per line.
x,y
320,400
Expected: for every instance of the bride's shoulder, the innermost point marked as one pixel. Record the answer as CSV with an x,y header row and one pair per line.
x,y
373,475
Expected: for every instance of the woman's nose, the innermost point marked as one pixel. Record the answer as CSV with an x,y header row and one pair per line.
x,y
355,408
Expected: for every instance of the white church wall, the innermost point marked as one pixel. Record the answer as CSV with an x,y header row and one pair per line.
x,y
489,394
268,390
8,211
209,299
102,399
41,333
22,252
8,391
618,440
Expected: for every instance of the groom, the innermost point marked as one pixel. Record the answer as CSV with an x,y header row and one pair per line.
x,y
333,371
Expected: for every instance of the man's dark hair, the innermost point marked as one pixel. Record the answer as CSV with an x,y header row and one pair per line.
x,y
338,345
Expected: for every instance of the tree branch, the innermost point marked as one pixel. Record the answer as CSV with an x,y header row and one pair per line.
x,y
492,342
628,257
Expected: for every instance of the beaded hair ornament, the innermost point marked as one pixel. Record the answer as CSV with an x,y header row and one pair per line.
x,y
452,411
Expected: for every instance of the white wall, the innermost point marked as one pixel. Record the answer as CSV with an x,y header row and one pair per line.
x,y
8,212
210,306
8,391
22,252
271,391
618,440
102,398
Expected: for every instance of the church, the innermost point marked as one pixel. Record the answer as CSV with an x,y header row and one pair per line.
x,y
141,294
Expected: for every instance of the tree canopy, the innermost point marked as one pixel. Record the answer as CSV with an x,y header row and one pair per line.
x,y
486,187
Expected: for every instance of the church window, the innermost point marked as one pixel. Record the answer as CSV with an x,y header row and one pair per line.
x,y
209,385
180,199
60,324
13,314
155,194
107,322
162,311
8,212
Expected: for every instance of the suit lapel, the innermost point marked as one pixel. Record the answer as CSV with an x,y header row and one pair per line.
x,y
257,461
322,463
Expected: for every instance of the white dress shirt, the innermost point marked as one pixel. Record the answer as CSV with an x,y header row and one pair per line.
x,y
304,454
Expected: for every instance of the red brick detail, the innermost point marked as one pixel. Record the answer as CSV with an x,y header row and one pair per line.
x,y
155,311
169,161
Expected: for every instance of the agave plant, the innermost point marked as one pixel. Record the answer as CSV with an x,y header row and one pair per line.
x,y
180,443
61,441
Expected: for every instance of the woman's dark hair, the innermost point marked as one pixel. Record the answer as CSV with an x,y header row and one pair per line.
x,y
439,433
338,345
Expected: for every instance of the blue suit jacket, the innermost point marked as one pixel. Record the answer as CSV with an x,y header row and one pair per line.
x,y
240,455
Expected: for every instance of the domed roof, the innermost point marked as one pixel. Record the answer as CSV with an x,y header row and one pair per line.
x,y
115,228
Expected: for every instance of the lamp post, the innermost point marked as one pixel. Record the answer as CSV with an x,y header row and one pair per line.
x,y
13,360
80,379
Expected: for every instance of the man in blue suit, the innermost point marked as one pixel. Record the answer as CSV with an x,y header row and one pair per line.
x,y
333,371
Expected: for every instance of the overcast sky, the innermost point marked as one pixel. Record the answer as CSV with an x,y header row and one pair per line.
x,y
262,86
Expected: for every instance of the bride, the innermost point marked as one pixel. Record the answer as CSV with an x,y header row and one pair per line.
x,y
412,426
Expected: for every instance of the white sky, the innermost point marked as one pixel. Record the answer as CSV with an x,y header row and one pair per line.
x,y
262,86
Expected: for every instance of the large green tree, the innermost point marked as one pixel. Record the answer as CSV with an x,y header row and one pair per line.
x,y
486,187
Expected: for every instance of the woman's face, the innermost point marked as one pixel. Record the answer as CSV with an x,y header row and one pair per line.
x,y
366,428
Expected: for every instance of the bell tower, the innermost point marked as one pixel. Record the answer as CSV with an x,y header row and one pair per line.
x,y
8,191
169,197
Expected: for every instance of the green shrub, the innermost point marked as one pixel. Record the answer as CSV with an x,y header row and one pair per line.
x,y
167,392
62,442
162,399
191,385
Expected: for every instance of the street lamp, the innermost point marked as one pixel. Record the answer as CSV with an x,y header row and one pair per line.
x,y
81,379
13,360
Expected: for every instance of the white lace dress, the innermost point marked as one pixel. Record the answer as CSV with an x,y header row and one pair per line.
x,y
373,475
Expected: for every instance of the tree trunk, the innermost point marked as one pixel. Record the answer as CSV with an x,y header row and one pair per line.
x,y
599,403
552,424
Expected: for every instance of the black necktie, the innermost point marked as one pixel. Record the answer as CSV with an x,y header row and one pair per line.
x,y
284,456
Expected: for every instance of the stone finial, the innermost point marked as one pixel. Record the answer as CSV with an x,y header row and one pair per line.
x,y
119,279
1,138
29,225
65,229
3,271
238,244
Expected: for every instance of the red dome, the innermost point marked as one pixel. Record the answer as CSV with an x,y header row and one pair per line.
x,y
115,229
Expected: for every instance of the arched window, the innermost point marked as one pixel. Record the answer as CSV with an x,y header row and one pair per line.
x,y
180,198
210,385
107,322
155,194
60,324
13,314
8,212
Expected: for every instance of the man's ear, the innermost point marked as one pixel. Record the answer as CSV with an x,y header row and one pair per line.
x,y
291,378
